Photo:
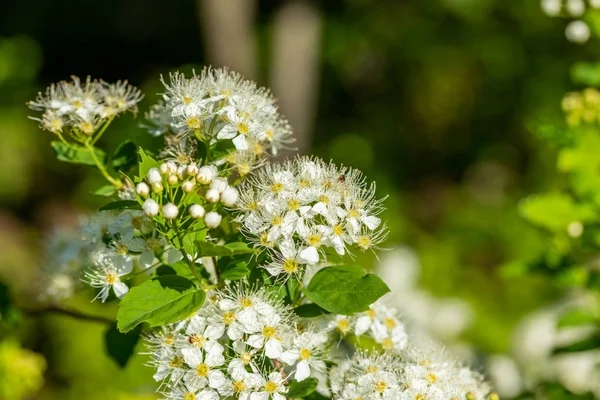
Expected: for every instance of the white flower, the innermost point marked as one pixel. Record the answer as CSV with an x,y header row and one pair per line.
x,y
219,184
270,335
203,364
272,387
153,176
106,274
305,353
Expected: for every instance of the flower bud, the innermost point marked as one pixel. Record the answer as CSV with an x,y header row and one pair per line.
x,y
212,195
220,184
157,187
212,219
229,196
192,170
150,207
142,189
153,176
172,180
170,211
188,186
168,168
196,211
206,174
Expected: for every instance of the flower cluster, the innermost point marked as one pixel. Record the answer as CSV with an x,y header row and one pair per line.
x,y
582,107
296,209
242,343
172,187
103,249
417,376
81,108
380,323
219,105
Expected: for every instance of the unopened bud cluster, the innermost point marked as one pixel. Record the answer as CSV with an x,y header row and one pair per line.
x,y
178,191
582,107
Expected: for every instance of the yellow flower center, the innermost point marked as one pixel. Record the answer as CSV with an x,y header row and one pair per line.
x,y
176,362
276,187
380,386
169,340
343,325
86,128
305,354
202,370
244,169
258,148
278,220
246,302
271,387
111,278
353,213
246,358
193,122
431,378
371,313
242,128
387,343
390,323
269,133
419,397
304,183
77,104
324,199
228,318
269,331
189,396
239,386
197,340
187,100
293,205
264,240
364,242
290,266
314,240
371,369
338,230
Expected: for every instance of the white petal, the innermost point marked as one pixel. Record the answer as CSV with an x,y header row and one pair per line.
x,y
362,324
256,341
371,221
207,395
309,255
302,371
289,357
240,142
146,258
120,289
259,396
174,255
273,348
192,356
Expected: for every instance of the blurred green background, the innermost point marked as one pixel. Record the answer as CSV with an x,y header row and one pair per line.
x,y
432,99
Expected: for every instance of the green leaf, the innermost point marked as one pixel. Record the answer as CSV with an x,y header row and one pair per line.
x,y
577,317
302,389
120,346
345,289
554,211
122,205
77,154
105,191
146,162
310,311
208,249
163,300
125,156
589,343
234,270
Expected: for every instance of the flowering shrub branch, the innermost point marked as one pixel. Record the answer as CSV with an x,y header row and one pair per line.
x,y
236,267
